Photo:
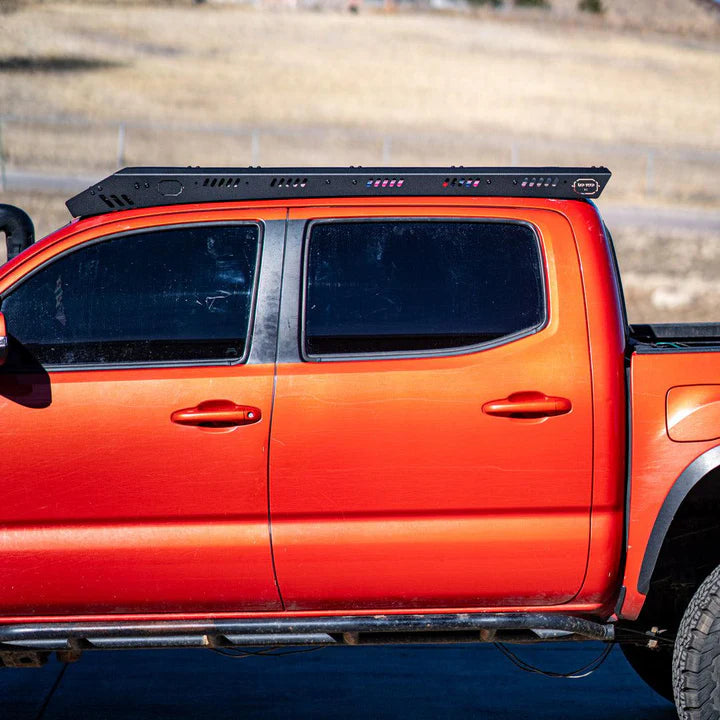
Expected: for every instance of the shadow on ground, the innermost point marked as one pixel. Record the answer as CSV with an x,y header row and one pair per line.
x,y
53,64
419,682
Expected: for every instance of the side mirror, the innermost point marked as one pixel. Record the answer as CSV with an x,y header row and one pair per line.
x,y
4,343
18,229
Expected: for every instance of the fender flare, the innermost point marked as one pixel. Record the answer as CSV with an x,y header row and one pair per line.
x,y
18,228
686,481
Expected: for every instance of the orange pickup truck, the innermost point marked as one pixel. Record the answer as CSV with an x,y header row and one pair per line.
x,y
345,405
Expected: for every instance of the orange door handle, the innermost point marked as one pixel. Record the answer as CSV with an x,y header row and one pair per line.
x,y
528,405
216,413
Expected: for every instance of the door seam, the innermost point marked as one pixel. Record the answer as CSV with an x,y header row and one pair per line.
x,y
272,412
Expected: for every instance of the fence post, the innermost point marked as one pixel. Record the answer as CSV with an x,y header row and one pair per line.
x,y
3,179
121,145
650,173
255,147
386,149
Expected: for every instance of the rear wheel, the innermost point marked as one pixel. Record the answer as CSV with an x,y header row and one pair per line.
x,y
653,666
696,661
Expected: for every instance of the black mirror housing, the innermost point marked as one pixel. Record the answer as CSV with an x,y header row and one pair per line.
x,y
18,228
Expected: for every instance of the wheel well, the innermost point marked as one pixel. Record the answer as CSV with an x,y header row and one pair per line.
x,y
690,551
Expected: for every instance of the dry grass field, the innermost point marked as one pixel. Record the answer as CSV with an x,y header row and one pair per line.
x,y
230,65
637,90
448,88
669,275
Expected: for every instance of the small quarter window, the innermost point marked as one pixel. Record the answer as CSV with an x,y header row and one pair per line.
x,y
412,286
181,294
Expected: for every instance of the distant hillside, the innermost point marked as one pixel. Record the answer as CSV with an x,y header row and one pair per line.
x,y
692,17
698,18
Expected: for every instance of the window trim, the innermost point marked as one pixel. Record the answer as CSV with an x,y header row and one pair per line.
x,y
149,364
417,354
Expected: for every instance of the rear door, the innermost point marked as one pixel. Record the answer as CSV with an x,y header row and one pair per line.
x,y
432,432
135,409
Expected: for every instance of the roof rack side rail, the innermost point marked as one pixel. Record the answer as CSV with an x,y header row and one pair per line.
x,y
155,186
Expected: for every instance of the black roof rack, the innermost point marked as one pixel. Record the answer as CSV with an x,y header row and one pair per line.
x,y
142,187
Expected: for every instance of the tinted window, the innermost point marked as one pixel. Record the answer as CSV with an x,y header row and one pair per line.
x,y
176,294
412,286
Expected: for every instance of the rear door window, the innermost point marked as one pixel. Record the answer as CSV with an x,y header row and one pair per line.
x,y
398,287
179,294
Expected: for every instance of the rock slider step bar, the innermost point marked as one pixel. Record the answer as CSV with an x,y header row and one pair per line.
x,y
159,632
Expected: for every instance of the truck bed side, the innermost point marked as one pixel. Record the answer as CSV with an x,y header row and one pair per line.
x,y
675,395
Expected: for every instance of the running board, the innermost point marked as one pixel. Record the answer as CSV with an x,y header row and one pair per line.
x,y
328,630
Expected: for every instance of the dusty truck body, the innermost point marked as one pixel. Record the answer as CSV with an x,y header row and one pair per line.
x,y
246,406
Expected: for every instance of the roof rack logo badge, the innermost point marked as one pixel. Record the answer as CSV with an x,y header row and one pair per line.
x,y
586,186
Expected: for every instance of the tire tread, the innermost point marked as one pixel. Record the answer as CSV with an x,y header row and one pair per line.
x,y
696,659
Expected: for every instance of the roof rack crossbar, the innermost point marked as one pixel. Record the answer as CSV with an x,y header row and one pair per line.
x,y
142,187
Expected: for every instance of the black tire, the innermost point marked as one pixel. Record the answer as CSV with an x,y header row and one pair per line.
x,y
696,660
653,666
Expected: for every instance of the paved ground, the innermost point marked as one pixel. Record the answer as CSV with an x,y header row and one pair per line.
x,y
349,683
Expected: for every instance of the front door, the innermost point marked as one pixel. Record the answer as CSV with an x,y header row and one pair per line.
x,y
432,433
135,409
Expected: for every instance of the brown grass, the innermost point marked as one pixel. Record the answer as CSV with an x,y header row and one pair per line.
x,y
669,275
231,65
47,210
450,89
